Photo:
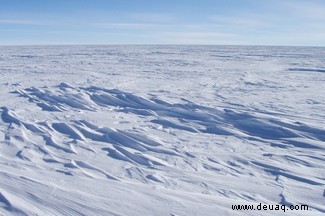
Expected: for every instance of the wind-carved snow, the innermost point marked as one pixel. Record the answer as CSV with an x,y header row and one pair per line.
x,y
78,148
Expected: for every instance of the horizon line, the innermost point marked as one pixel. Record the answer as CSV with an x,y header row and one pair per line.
x,y
149,44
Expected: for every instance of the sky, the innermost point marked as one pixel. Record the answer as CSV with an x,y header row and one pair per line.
x,y
205,22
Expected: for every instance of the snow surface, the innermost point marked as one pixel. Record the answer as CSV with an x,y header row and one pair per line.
x,y
161,130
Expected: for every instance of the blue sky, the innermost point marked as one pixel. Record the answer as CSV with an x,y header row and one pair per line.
x,y
219,22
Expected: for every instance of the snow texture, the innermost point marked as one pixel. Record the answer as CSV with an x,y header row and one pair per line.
x,y
161,130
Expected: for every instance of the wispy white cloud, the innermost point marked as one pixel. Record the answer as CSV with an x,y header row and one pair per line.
x,y
276,14
310,10
20,22
240,20
141,26
152,17
197,37
192,34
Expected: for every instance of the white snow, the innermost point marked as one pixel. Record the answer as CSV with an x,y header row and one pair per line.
x,y
161,130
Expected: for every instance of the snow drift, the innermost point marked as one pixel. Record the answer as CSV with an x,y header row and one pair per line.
x,y
160,130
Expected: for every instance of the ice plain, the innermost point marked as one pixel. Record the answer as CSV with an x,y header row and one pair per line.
x,y
161,130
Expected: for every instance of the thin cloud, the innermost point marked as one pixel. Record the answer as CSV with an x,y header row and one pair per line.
x,y
129,25
152,17
311,10
197,37
243,20
20,22
197,34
